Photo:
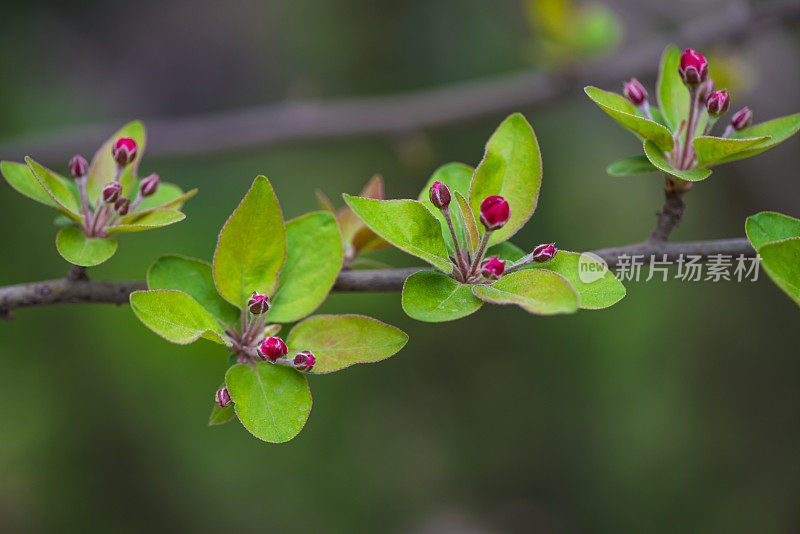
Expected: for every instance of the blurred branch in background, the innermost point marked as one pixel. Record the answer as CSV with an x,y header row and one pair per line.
x,y
401,114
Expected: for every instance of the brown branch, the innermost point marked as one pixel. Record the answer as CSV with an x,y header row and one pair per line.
x,y
66,290
401,114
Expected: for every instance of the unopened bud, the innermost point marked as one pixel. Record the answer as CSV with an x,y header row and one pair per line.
x,y
718,103
544,253
124,151
742,119
304,361
493,268
439,195
223,398
258,303
272,349
494,212
122,205
693,67
149,185
635,92
78,167
111,192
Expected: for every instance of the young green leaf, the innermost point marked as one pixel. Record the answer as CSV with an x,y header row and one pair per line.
x,y
313,259
658,159
471,232
406,224
167,196
272,401
103,165
194,278
339,341
220,416
779,130
252,246
176,317
631,166
148,221
781,261
768,226
21,178
58,189
534,290
506,251
600,289
456,176
511,167
713,150
624,113
76,248
434,297
673,97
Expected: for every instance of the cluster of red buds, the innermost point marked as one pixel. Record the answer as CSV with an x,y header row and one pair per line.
x,y
112,204
274,350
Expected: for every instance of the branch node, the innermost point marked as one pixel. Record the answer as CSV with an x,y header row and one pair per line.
x,y
77,274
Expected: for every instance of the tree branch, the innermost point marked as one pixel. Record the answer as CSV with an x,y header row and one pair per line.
x,y
67,290
401,114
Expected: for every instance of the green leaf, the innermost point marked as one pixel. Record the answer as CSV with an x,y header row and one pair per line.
x,y
471,232
779,130
339,341
434,297
534,290
103,165
176,317
194,278
713,150
625,113
456,176
21,178
272,401
658,159
511,167
406,224
781,261
768,226
672,94
221,416
506,251
252,246
167,196
600,289
148,221
313,259
76,248
58,189
631,166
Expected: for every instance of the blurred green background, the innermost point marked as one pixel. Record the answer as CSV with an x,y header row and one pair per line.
x,y
677,410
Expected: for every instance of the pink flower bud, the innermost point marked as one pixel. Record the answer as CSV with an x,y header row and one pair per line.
x,y
124,151
78,167
494,212
223,398
544,253
122,205
149,185
304,361
111,192
718,103
493,268
258,303
272,349
635,92
439,195
693,67
742,119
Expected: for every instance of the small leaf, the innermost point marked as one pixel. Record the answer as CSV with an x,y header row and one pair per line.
x,y
534,290
658,159
673,97
58,189
313,259
148,221
176,317
712,150
625,113
781,261
76,248
434,297
406,224
768,226
473,236
103,165
511,167
601,288
252,246
779,130
456,176
22,179
167,196
631,166
339,341
221,416
194,278
272,401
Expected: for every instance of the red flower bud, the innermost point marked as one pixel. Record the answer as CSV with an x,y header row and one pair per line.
x,y
304,361
693,68
78,166
122,205
111,192
635,92
223,398
718,103
493,268
544,253
149,185
124,151
742,119
272,349
258,303
439,195
494,212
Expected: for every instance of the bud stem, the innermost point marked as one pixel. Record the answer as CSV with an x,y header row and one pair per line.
x,y
479,253
691,126
81,182
459,253
645,109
